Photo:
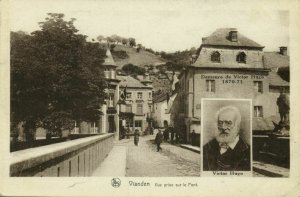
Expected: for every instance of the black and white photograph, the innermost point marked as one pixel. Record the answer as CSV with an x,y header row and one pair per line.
x,y
147,95
226,136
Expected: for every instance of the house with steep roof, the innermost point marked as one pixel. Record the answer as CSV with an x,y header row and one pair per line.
x,y
109,120
161,108
228,65
136,111
130,112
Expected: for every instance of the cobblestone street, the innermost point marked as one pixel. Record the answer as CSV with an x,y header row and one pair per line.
x,y
143,160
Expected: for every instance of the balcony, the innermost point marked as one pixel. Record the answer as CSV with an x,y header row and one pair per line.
x,y
111,110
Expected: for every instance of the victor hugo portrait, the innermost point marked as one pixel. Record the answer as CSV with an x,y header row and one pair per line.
x,y
226,135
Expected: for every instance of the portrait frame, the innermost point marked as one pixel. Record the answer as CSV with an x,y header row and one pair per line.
x,y
213,105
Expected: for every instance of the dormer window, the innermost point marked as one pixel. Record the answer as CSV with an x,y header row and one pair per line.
x,y
241,58
215,57
233,35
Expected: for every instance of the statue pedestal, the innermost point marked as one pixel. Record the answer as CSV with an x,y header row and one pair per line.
x,y
282,129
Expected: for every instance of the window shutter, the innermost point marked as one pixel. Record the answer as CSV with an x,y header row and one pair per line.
x,y
213,88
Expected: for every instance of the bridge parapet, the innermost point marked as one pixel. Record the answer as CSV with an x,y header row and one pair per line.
x,y
78,157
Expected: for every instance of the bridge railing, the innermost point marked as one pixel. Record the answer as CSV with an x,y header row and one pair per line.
x,y
78,157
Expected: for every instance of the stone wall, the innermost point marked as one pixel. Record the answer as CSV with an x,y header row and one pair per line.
x,y
67,159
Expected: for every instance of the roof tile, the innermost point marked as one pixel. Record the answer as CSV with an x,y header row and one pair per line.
x,y
130,82
220,37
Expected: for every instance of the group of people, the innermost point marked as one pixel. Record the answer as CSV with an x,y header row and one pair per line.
x,y
165,135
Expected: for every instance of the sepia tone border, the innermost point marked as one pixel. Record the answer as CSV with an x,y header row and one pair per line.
x,y
252,186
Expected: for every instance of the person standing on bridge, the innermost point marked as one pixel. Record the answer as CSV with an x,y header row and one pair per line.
x,y
136,137
158,140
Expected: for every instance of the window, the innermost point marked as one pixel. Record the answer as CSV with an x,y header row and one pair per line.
x,y
138,123
210,86
128,108
215,57
112,74
150,94
258,85
258,111
140,95
139,109
129,123
106,73
241,57
150,108
111,100
128,95
166,111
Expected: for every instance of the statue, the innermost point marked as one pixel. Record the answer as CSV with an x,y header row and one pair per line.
x,y
283,102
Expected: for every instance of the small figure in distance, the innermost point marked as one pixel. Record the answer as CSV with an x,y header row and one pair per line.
x,y
158,139
136,137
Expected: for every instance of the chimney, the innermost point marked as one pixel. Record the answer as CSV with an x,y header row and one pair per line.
x,y
146,76
283,50
233,35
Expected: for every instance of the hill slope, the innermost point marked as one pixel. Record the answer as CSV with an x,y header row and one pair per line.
x,y
139,59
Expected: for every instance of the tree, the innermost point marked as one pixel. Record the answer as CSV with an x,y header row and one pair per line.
x,y
55,77
100,38
124,41
139,46
133,70
116,38
110,39
112,46
131,42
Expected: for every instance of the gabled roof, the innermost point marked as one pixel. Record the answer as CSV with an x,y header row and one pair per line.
x,y
220,37
275,60
164,96
161,97
276,80
130,82
109,60
261,124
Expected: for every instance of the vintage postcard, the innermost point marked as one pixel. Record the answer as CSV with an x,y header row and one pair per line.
x,y
149,98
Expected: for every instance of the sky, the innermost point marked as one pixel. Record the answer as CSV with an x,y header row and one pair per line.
x,y
169,25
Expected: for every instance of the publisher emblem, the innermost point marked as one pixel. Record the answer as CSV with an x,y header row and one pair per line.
x,y
116,182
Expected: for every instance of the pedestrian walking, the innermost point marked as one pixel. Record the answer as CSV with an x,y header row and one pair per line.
x,y
193,138
151,130
166,131
172,135
158,140
136,137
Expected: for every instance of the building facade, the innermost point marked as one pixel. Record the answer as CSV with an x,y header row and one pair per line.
x,y
228,65
161,110
136,110
109,120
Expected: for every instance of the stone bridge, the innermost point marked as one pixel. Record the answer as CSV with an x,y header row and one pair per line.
x,y
73,158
